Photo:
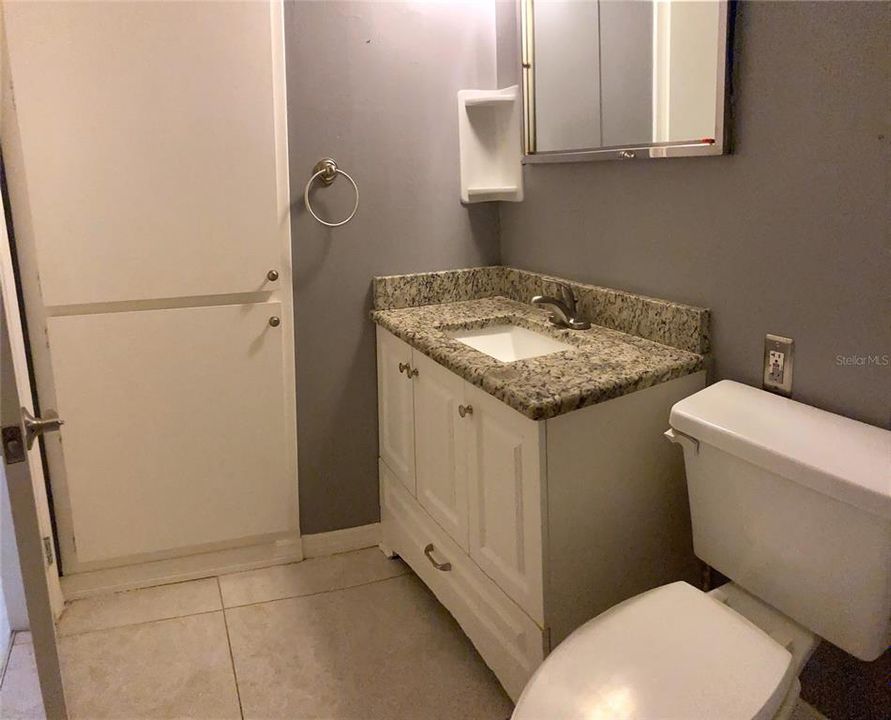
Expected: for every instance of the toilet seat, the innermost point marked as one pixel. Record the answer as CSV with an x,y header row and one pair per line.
x,y
672,652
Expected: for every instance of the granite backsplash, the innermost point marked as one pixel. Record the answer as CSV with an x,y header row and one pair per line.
x,y
674,324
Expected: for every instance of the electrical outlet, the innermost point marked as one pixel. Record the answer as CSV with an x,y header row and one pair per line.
x,y
778,364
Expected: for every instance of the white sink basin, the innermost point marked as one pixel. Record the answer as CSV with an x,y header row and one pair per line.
x,y
508,343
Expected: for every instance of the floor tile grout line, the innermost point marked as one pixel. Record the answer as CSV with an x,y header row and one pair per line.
x,y
231,654
134,624
8,655
314,594
223,607
139,624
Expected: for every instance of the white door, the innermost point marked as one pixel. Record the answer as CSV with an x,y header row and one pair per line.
x,y
23,472
505,478
441,446
191,451
395,407
147,131
147,167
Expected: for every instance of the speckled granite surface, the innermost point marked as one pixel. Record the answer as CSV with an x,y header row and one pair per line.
x,y
434,288
681,326
604,363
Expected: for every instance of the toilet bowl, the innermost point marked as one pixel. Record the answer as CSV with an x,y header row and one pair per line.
x,y
782,496
674,652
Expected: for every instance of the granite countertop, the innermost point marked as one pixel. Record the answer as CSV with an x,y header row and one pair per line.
x,y
604,364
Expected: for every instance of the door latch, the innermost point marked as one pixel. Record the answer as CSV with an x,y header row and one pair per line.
x,y
48,551
35,426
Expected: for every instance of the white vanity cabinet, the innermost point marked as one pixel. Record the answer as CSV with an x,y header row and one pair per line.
x,y
440,445
505,509
526,529
395,406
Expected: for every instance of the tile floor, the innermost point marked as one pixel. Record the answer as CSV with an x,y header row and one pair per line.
x,y
353,636
349,636
19,691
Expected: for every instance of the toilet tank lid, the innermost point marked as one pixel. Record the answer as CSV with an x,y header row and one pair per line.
x,y
843,458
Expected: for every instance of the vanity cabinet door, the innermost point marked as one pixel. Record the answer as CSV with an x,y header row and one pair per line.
x,y
505,471
395,407
441,446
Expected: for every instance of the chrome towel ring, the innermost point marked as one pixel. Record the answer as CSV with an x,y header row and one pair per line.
x,y
326,170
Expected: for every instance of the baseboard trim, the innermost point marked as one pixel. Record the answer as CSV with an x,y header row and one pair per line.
x,y
339,541
220,562
191,567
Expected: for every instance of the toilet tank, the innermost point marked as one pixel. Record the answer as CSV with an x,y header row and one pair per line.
x,y
793,504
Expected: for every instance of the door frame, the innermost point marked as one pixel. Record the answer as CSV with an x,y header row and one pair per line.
x,y
24,503
18,473
27,496
150,569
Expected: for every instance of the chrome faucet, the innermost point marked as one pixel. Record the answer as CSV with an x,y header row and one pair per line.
x,y
563,309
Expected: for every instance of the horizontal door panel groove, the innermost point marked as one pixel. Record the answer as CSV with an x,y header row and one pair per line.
x,y
247,298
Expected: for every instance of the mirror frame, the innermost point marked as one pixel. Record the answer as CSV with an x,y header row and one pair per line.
x,y
645,151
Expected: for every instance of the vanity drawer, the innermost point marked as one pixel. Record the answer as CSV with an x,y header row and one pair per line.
x,y
511,643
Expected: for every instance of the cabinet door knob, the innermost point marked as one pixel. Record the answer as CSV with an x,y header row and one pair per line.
x,y
464,410
272,275
442,567
403,367
412,372
274,321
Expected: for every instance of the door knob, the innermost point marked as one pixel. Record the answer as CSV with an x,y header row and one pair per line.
x,y
272,275
274,321
35,426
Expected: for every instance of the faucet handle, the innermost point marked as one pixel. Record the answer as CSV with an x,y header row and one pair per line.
x,y
568,296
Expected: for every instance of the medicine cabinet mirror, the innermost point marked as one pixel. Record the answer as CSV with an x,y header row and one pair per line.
x,y
610,79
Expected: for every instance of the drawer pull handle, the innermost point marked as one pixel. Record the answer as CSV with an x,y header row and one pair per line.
x,y
464,410
403,367
442,567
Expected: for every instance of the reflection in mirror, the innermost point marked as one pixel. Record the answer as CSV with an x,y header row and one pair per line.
x,y
613,74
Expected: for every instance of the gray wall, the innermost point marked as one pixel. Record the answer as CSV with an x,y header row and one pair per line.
x,y
791,234
374,85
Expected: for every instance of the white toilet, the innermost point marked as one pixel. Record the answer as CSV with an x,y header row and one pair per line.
x,y
793,504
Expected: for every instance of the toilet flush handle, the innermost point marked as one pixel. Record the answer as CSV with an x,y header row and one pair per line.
x,y
685,441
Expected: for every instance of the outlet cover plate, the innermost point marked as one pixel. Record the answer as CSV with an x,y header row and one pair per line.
x,y
778,364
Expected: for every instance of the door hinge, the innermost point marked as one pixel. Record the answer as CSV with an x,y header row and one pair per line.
x,y
13,447
48,551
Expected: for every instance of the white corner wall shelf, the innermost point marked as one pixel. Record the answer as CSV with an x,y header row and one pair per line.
x,y
489,143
